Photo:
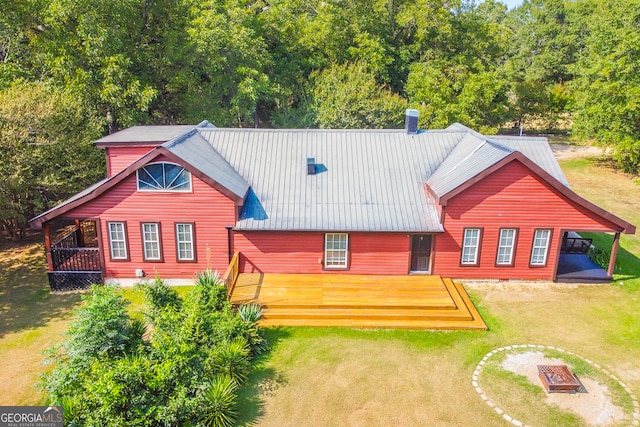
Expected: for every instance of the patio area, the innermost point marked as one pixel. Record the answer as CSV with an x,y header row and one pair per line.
x,y
579,268
411,302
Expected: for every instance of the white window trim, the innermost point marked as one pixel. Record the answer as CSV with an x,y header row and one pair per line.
x,y
344,251
190,241
157,241
476,247
511,246
157,190
123,230
544,248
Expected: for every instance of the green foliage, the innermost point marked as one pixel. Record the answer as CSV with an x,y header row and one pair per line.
x,y
45,151
599,256
347,96
159,297
250,312
185,372
232,359
220,398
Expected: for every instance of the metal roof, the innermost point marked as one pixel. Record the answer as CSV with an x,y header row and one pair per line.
x,y
146,134
197,152
366,180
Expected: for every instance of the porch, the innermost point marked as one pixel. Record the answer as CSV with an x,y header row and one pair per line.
x,y
73,256
412,302
575,266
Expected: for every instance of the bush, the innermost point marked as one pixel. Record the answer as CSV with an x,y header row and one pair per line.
x,y
186,374
221,402
232,359
250,312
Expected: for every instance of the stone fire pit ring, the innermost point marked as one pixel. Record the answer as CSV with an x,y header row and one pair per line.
x,y
476,375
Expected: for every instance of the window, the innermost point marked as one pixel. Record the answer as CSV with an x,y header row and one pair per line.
x,y
163,177
540,247
151,242
471,246
335,250
118,240
506,245
184,242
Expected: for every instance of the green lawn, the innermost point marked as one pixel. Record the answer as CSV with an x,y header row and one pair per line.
x,y
333,376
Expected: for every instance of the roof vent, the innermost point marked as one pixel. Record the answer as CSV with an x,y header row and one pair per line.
x,y
411,121
311,166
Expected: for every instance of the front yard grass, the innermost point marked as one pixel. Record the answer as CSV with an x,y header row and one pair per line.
x,y
334,376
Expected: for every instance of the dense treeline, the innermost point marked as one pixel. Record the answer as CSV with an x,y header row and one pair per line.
x,y
74,70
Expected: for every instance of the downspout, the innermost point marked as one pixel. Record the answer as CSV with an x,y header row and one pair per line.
x,y
229,236
614,254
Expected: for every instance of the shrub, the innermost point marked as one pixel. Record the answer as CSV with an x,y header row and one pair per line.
x,y
232,359
250,312
220,399
599,256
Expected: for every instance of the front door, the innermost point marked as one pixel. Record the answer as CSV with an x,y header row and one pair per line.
x,y
420,252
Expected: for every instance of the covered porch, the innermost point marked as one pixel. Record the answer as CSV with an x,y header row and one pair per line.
x,y
73,255
575,264
360,301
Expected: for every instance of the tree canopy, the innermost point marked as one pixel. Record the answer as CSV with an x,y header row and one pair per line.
x,y
301,63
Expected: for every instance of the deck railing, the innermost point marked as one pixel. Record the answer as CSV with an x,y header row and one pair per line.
x,y
69,240
231,275
75,259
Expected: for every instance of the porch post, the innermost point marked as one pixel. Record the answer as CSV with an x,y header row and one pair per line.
x,y
47,245
614,254
79,233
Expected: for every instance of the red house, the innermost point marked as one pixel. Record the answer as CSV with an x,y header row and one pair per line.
x,y
450,202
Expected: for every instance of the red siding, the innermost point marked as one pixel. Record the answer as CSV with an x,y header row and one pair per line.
x,y
119,158
511,197
303,252
206,207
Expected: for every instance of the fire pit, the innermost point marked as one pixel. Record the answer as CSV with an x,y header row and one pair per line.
x,y
558,379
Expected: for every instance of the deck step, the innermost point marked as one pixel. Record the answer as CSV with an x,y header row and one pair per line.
x,y
377,324
388,302
364,313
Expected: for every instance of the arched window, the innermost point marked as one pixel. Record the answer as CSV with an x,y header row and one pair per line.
x,y
163,177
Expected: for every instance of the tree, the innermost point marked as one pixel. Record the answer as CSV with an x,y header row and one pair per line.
x,y
347,97
607,93
46,152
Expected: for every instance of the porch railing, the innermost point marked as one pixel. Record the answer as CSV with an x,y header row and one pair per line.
x,y
69,240
231,275
75,259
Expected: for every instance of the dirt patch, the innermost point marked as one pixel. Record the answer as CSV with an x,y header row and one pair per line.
x,y
565,151
595,406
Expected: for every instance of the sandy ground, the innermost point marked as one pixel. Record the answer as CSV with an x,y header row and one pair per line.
x,y
594,406
565,151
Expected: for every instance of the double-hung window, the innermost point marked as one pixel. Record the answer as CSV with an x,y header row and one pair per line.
x,y
540,248
151,245
471,246
185,242
118,240
506,246
336,250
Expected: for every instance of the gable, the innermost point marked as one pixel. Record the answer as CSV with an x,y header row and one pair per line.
x,y
517,193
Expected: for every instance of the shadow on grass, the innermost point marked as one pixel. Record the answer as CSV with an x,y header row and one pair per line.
x,y
627,264
25,299
262,381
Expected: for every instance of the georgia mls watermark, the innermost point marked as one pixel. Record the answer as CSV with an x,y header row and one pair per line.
x,y
31,416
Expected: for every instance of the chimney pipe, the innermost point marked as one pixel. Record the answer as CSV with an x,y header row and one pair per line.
x,y
411,121
311,166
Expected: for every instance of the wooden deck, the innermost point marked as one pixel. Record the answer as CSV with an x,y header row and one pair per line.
x,y
413,302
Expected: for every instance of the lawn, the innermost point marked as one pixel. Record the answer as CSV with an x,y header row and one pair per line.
x,y
333,376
